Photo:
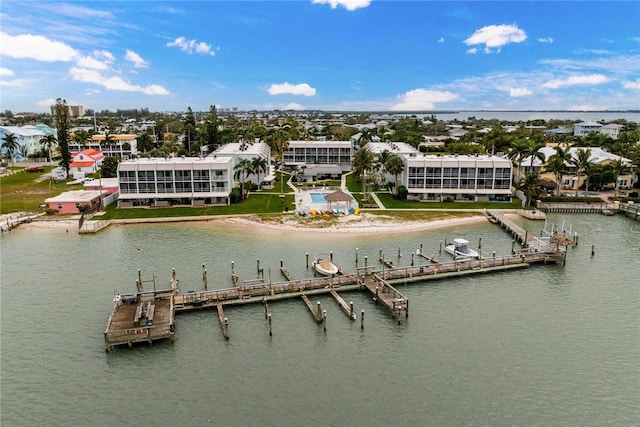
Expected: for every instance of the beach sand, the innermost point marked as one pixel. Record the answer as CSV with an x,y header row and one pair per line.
x,y
363,224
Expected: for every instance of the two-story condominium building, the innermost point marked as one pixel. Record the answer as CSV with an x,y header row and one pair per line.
x,y
191,181
471,178
123,146
309,153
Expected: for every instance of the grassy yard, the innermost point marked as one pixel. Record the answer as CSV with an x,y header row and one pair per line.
x,y
256,203
27,191
390,203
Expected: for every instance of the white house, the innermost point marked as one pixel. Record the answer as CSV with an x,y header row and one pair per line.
x,y
585,128
87,161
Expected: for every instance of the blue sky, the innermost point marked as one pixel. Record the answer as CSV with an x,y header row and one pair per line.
x,y
350,55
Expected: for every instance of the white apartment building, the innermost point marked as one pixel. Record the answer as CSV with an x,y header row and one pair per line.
x,y
249,151
28,138
122,146
164,182
465,178
299,153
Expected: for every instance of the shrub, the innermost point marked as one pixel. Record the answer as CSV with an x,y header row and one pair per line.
x,y
402,193
50,211
235,196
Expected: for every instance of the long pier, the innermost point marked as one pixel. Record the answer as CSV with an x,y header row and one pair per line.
x,y
132,321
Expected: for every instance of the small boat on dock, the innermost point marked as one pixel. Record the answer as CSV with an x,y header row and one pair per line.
x,y
324,266
459,249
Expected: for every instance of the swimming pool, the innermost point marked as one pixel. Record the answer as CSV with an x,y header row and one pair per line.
x,y
318,197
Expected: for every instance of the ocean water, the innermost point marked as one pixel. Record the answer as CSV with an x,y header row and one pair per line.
x,y
544,345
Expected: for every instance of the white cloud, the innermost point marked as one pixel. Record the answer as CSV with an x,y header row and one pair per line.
x,y
137,60
441,40
293,106
472,51
13,83
350,5
516,92
104,55
191,46
422,99
632,85
4,71
40,48
114,82
588,80
545,39
496,36
89,62
288,88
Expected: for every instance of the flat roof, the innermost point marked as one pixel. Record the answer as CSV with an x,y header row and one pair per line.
x,y
167,163
243,148
344,144
77,196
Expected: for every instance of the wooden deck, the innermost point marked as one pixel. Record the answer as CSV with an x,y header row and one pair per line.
x,y
629,210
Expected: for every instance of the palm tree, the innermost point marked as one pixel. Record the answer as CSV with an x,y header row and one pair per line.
x,y
48,142
530,186
145,142
618,167
519,151
362,162
366,135
557,164
108,140
533,152
11,144
242,169
395,166
259,164
581,162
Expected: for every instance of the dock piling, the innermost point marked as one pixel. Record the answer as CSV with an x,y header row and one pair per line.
x,y
362,320
307,256
270,327
324,320
356,256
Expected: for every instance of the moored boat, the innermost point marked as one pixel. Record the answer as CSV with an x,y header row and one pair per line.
x,y
459,249
324,266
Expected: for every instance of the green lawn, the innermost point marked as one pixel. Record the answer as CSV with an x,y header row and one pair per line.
x,y
256,203
21,191
390,203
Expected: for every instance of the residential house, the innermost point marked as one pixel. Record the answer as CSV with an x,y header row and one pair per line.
x,y
69,202
87,161
585,128
570,181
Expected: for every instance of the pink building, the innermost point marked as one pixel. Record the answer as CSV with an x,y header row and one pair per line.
x,y
69,202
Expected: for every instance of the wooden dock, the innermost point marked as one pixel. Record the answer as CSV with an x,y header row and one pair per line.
x,y
629,210
125,327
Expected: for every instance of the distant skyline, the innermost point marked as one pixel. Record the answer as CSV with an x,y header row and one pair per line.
x,y
334,55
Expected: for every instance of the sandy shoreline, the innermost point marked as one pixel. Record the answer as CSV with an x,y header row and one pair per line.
x,y
363,224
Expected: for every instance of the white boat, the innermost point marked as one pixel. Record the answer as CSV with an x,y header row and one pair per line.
x,y
324,266
459,249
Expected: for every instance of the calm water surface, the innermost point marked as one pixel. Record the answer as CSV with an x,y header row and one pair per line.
x,y
546,345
